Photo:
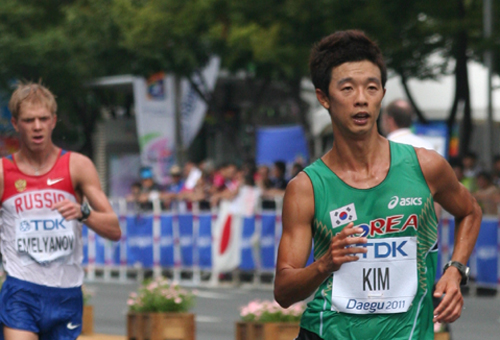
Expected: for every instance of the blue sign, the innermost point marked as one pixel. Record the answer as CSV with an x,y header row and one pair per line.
x,y
286,144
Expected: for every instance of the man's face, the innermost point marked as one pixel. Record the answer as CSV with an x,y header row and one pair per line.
x,y
355,97
35,124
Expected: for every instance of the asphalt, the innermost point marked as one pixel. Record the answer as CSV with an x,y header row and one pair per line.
x,y
217,311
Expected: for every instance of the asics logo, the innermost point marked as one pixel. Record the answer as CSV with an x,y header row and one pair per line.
x,y
71,326
53,181
405,201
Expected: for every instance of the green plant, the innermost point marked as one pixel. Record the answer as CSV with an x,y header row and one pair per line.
x,y
87,294
271,311
160,295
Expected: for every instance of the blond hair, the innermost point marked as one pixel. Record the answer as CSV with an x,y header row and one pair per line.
x,y
32,94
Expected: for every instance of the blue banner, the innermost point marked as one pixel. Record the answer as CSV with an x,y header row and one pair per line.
x,y
247,258
436,133
140,240
85,248
166,241
286,144
186,239
205,241
486,253
267,242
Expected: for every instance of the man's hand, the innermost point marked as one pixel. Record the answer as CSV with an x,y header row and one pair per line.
x,y
342,250
450,307
69,210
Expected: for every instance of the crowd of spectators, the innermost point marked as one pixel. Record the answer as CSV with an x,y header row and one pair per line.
x,y
483,184
208,184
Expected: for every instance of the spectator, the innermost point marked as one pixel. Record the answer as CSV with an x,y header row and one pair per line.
x,y
262,177
496,170
279,180
276,187
396,122
487,194
458,168
135,192
233,179
471,167
174,188
296,168
149,189
192,174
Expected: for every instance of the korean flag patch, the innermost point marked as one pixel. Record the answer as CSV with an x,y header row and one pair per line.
x,y
343,215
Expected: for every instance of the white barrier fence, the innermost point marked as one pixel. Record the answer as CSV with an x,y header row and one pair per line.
x,y
181,245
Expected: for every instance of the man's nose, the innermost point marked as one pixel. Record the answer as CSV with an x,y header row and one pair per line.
x,y
361,97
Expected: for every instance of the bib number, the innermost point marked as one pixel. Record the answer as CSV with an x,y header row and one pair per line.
x,y
44,239
382,281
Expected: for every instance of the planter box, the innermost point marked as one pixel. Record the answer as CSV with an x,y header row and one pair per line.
x,y
442,336
266,330
88,320
161,326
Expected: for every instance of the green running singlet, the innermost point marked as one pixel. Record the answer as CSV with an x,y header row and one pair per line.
x,y
387,293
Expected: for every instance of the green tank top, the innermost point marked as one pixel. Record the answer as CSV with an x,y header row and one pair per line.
x,y
387,293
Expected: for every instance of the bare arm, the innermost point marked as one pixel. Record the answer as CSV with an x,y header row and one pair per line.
x,y
457,200
102,219
295,282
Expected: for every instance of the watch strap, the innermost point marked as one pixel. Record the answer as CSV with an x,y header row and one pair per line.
x,y
462,268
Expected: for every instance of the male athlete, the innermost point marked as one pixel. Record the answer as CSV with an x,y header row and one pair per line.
x,y
44,193
368,206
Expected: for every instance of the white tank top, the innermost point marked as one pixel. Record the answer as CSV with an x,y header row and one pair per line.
x,y
38,245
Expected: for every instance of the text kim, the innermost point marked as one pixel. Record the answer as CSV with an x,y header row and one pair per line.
x,y
376,279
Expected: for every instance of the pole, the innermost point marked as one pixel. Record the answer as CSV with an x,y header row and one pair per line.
x,y
488,61
179,145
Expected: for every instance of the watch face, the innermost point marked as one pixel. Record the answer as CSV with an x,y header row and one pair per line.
x,y
85,210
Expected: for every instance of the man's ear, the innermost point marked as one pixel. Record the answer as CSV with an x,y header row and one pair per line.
x,y
323,99
14,124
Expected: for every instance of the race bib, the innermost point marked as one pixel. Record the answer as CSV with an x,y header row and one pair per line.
x,y
382,281
44,239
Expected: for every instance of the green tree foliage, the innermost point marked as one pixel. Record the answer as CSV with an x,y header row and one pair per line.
x,y
64,44
68,43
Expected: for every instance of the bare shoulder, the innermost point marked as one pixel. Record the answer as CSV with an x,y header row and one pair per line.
x,y
300,185
81,167
430,161
298,204
436,169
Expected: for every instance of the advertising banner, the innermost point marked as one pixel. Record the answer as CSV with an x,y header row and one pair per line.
x,y
186,239
205,241
140,240
487,254
166,241
155,115
267,242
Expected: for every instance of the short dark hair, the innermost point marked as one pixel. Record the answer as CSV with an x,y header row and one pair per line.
x,y
342,47
402,114
456,162
281,166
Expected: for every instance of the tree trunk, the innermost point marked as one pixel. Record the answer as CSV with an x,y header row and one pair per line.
x,y
419,113
462,92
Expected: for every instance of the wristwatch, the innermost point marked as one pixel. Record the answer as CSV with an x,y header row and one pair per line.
x,y
463,269
85,210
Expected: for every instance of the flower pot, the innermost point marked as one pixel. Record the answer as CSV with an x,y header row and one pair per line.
x,y
442,336
88,320
266,330
161,326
